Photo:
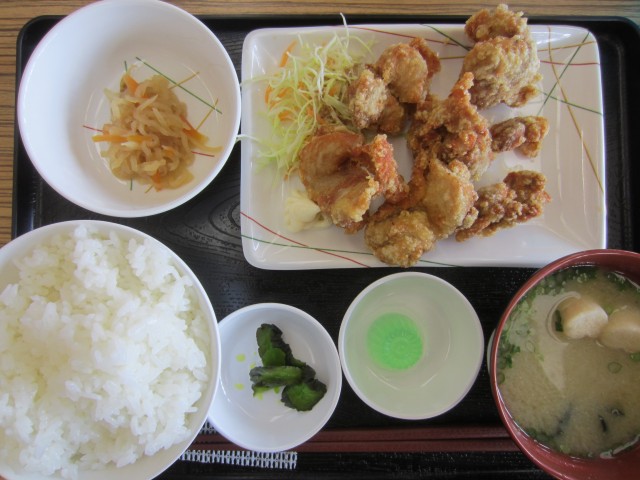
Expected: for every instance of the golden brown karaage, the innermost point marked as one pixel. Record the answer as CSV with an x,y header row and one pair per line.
x,y
378,98
368,96
440,201
448,197
520,197
407,69
343,175
500,22
452,129
504,59
400,237
522,133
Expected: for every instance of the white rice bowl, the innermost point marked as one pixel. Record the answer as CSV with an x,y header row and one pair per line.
x,y
109,354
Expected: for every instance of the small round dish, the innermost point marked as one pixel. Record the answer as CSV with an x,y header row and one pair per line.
x,y
411,346
61,104
263,423
68,427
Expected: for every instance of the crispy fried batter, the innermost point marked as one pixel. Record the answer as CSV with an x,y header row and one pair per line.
x,y
500,22
431,57
520,197
441,200
373,106
448,196
341,191
400,238
530,191
402,74
368,96
504,61
393,118
342,175
507,135
505,70
377,158
405,71
452,129
522,133
447,138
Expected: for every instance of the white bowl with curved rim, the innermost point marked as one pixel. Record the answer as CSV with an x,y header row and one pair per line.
x,y
146,466
61,101
437,354
263,423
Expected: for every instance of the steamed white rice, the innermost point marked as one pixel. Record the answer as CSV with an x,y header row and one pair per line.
x,y
103,354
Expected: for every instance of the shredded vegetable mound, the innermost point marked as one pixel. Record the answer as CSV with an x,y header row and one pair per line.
x,y
308,93
149,137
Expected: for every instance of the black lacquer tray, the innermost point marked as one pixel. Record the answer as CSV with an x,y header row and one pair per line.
x,y
468,441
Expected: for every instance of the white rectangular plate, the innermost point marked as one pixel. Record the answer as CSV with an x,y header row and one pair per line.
x,y
572,158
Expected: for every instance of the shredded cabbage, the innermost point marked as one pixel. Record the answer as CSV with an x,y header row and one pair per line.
x,y
308,92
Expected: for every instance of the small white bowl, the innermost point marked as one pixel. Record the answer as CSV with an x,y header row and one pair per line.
x,y
263,423
146,467
61,98
438,354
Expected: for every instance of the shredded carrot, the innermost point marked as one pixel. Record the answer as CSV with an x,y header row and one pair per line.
x,y
267,94
109,138
190,131
184,119
130,82
196,135
284,93
156,178
285,56
138,138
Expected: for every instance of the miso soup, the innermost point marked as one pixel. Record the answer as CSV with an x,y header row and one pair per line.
x,y
573,383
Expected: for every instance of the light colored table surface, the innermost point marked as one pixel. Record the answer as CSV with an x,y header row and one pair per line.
x,y
15,13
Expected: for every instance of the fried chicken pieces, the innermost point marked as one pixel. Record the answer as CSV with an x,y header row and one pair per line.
x,y
452,145
401,76
524,134
407,69
452,129
400,238
449,141
441,199
518,198
342,175
504,60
